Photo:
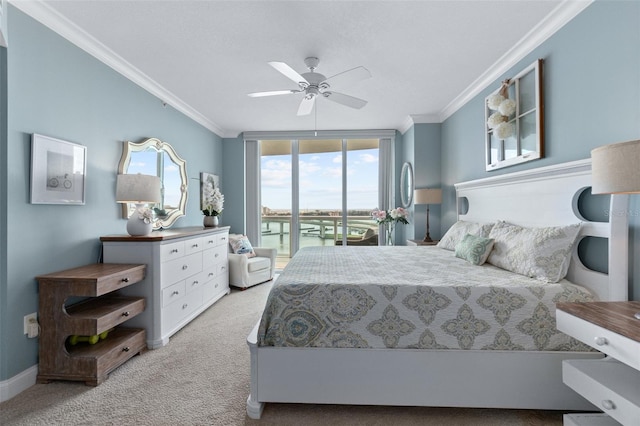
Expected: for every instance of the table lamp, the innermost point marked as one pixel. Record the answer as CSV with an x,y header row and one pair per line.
x,y
427,196
138,189
615,169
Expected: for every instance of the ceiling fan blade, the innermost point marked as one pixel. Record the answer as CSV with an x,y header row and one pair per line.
x,y
348,77
272,93
289,72
306,106
346,100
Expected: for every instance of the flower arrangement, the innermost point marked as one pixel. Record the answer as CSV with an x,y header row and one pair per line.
x,y
504,107
213,201
390,218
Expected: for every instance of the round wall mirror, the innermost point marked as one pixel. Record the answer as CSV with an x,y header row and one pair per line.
x,y
154,157
406,185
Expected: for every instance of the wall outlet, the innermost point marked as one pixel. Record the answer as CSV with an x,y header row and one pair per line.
x,y
30,320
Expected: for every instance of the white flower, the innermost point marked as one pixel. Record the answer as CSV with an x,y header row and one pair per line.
x,y
504,130
507,107
145,214
495,119
213,201
494,101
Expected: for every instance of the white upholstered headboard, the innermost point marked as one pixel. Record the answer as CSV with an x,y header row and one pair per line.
x,y
548,196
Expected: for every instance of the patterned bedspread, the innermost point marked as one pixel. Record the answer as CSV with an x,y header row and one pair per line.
x,y
411,297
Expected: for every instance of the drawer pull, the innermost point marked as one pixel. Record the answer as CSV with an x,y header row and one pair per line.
x,y
184,267
210,274
126,313
125,280
126,349
174,251
195,282
601,341
607,404
216,255
194,246
216,286
175,292
223,238
210,242
184,306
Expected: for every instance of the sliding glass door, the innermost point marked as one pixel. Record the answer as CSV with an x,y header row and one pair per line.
x,y
324,189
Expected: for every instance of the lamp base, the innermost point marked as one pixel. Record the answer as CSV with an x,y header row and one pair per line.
x,y
427,239
136,227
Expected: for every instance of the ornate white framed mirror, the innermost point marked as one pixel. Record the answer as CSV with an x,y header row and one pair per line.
x,y
155,157
406,185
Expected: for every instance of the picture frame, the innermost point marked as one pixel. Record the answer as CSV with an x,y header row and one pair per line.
x,y
58,171
206,178
526,142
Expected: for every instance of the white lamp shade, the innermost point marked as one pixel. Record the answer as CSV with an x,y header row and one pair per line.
x,y
427,196
615,168
138,189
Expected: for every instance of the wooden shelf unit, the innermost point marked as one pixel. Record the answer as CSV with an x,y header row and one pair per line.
x,y
102,311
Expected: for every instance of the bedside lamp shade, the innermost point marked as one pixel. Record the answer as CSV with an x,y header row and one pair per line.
x,y
615,168
138,189
427,196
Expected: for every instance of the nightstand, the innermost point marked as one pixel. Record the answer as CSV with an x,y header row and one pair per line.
x,y
421,243
613,383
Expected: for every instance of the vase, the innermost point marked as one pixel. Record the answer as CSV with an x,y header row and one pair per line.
x,y
210,221
390,235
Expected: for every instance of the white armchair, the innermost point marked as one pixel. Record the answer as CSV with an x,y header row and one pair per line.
x,y
245,272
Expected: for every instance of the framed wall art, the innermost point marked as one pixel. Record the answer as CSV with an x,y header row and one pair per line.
x,y
514,120
58,170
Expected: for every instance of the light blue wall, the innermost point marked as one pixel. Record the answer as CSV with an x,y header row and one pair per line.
x,y
427,175
592,98
233,179
56,89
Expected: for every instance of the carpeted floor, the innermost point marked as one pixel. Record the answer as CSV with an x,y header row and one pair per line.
x,y
202,378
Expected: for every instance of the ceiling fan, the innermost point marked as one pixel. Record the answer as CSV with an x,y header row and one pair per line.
x,y
314,84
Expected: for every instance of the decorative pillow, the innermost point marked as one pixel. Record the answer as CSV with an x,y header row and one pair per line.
x,y
541,253
474,249
240,245
456,233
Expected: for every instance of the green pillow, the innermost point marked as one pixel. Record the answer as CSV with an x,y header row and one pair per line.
x,y
474,249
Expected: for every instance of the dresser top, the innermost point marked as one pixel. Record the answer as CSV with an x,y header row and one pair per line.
x,y
167,234
615,316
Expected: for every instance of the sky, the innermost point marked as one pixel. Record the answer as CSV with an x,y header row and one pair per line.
x,y
321,180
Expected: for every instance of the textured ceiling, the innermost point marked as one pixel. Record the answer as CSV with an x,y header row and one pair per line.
x,y
423,55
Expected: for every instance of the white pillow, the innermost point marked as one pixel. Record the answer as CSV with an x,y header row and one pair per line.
x,y
456,233
240,244
541,253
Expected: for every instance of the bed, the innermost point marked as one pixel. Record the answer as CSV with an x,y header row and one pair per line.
x,y
498,360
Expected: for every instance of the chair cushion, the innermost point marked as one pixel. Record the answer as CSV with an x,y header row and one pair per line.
x,y
240,244
258,264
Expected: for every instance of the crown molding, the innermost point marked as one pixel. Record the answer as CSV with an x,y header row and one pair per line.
x,y
413,119
561,15
50,18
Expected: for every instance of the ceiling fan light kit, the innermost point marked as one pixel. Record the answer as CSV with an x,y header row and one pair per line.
x,y
313,84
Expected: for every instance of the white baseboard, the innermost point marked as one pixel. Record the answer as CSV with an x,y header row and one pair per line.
x,y
18,383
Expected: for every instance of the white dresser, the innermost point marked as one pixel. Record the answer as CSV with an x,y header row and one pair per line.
x,y
187,271
612,384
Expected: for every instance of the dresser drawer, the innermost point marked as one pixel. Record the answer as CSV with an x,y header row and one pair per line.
x,y
222,239
606,341
215,255
180,269
194,245
173,314
213,288
195,281
210,241
171,251
173,293
610,385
